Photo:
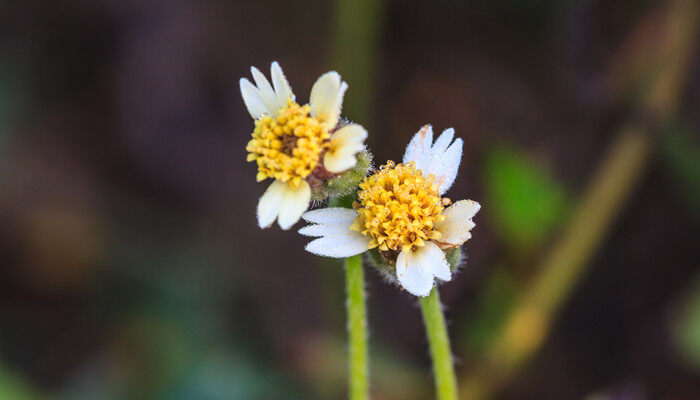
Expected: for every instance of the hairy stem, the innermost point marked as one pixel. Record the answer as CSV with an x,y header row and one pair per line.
x,y
358,364
439,341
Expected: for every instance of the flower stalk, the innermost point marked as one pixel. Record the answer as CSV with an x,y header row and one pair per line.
x,y
358,358
439,341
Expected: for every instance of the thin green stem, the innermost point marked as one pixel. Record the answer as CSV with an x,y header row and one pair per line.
x,y
439,341
358,365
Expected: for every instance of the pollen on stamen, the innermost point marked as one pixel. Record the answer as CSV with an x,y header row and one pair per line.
x,y
398,208
288,147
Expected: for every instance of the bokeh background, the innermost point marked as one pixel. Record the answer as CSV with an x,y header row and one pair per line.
x,y
132,265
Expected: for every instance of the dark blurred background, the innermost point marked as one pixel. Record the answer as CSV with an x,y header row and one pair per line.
x,y
132,265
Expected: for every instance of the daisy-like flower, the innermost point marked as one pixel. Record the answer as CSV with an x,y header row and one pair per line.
x,y
300,147
400,212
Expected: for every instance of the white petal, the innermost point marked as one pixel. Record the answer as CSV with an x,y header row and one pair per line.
x,y
333,215
352,133
414,273
337,240
330,221
294,203
344,245
449,166
253,99
437,159
435,257
339,162
269,204
457,224
327,98
419,146
319,230
269,96
346,142
443,140
282,88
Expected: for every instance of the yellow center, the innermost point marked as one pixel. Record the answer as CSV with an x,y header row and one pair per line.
x,y
288,147
398,208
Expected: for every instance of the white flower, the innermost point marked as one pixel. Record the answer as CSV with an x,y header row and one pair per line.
x,y
292,143
400,210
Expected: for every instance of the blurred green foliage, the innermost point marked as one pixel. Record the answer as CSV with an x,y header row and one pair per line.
x,y
681,155
13,387
525,202
493,303
221,376
687,329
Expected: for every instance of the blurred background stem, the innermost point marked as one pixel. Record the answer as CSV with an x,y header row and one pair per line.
x,y
358,388
357,27
610,188
440,351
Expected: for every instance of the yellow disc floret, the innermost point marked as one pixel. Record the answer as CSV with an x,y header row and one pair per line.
x,y
398,208
288,147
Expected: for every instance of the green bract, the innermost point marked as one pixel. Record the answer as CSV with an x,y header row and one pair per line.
x,y
345,183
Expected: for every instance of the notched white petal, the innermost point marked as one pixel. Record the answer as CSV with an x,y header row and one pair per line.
x,y
440,159
294,203
458,222
326,98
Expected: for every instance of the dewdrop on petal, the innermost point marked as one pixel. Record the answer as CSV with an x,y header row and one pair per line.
x,y
413,233
303,148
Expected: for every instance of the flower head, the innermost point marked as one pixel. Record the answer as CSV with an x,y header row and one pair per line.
x,y
398,208
401,212
301,147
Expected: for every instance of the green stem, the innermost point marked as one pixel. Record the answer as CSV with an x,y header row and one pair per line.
x,y
358,365
439,341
